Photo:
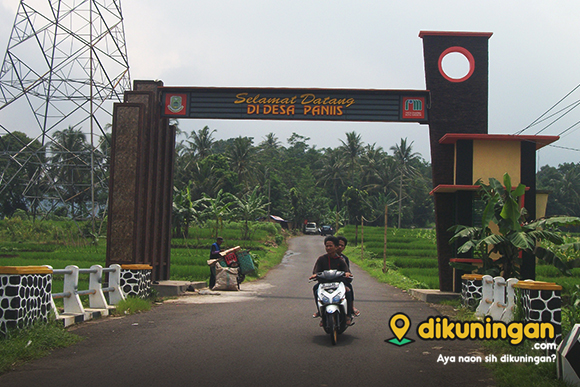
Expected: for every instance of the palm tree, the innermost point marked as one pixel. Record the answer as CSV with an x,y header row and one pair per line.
x,y
201,142
70,151
271,145
241,158
404,155
352,149
332,172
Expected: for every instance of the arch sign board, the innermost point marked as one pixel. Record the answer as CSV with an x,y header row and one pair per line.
x,y
143,142
296,104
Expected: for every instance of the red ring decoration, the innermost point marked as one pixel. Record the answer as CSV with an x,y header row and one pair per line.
x,y
460,50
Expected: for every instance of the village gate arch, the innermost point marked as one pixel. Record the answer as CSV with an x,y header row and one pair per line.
x,y
141,175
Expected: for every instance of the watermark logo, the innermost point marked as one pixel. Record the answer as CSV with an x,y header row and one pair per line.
x,y
400,324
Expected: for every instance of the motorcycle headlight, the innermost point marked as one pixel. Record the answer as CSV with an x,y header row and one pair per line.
x,y
336,299
325,300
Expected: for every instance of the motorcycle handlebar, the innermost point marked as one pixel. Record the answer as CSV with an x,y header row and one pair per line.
x,y
319,273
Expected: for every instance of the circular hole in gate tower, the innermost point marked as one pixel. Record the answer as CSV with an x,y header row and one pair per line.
x,y
456,64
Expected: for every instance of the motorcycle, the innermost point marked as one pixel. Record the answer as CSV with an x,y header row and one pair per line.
x,y
331,301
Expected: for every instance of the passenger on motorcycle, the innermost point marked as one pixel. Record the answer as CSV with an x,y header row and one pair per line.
x,y
342,241
329,261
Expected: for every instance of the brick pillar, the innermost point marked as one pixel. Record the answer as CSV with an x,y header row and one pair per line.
x,y
141,182
457,106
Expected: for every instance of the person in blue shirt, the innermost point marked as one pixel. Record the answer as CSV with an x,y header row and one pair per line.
x,y
214,253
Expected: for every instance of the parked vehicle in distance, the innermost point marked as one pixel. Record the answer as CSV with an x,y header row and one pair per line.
x,y
310,228
326,230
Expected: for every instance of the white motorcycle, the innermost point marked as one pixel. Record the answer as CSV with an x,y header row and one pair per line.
x,y
332,304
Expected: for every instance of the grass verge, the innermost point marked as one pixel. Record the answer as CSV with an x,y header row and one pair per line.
x,y
132,305
392,275
35,342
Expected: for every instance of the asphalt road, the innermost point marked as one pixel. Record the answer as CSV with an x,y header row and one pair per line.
x,y
263,335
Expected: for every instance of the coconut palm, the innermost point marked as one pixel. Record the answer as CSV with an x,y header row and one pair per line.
x,y
241,158
201,142
403,155
352,149
332,172
70,161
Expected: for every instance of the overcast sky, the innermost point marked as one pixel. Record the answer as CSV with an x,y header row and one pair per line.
x,y
534,57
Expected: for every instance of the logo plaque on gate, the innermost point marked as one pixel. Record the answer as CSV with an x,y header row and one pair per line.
x,y
413,108
175,104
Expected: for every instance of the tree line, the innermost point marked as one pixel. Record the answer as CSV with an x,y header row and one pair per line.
x,y
302,183
297,182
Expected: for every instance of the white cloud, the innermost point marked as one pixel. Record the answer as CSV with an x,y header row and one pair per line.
x,y
363,44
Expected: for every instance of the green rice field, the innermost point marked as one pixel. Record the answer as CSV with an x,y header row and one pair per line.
x,y
414,253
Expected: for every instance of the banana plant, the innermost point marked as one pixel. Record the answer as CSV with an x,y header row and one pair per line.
x,y
514,236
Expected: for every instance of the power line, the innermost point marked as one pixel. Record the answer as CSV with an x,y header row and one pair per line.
x,y
550,109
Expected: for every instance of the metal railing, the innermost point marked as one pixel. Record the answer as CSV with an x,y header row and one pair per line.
x,y
71,295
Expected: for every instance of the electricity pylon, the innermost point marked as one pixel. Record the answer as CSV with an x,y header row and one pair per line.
x,y
65,65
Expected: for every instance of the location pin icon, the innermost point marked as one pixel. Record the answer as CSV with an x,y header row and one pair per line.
x,y
400,332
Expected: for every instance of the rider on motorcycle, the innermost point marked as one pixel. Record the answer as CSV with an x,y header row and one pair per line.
x,y
342,241
332,261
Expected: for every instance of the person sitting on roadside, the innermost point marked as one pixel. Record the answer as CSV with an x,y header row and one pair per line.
x,y
342,242
332,261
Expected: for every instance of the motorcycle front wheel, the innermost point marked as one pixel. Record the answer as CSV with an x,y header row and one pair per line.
x,y
335,326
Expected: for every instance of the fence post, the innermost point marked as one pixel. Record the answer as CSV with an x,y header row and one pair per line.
x,y
486,296
498,306
72,303
510,296
97,299
117,294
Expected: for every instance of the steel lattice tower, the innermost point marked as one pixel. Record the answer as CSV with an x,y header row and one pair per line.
x,y
65,65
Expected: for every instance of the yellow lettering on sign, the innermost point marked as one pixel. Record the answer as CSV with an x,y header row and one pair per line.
x,y
241,98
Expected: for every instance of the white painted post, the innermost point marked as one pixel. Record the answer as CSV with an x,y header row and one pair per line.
x,y
486,296
508,314
117,295
72,304
97,300
499,305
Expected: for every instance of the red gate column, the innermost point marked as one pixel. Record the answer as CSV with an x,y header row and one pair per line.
x,y
458,105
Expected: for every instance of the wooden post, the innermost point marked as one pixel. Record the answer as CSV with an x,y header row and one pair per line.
x,y
362,237
385,246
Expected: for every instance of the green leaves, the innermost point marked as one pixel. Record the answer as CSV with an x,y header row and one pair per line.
x,y
551,258
503,209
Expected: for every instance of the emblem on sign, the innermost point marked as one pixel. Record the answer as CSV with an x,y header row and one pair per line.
x,y
413,108
175,104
